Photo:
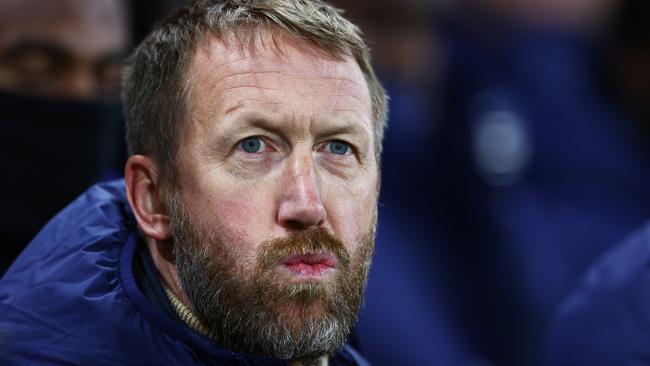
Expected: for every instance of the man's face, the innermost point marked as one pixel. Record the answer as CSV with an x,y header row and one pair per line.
x,y
62,48
274,212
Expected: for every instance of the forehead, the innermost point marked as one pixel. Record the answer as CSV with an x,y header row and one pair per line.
x,y
86,28
275,63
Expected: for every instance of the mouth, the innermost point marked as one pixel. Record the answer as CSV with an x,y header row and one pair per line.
x,y
310,265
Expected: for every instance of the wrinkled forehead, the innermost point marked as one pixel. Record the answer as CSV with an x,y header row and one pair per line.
x,y
86,28
267,52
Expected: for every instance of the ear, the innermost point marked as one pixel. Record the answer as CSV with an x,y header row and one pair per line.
x,y
146,195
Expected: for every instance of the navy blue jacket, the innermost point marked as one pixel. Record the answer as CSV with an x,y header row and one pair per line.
x,y
606,319
71,298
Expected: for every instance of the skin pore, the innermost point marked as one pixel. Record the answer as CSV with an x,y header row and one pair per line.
x,y
62,48
278,141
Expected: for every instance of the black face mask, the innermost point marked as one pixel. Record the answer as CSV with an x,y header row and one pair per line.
x,y
51,151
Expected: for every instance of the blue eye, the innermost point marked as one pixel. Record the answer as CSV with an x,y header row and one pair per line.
x,y
339,147
251,144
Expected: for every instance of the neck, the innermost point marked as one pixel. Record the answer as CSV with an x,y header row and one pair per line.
x,y
321,361
186,314
164,261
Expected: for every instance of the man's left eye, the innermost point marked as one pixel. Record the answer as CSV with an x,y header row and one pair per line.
x,y
339,147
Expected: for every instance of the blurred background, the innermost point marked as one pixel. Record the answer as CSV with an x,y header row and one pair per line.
x,y
517,152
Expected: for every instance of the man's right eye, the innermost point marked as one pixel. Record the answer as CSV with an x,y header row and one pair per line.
x,y
251,144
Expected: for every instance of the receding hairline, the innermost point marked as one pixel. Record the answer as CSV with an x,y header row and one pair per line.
x,y
254,37
251,39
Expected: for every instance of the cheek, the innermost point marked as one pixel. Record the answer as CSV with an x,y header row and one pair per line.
x,y
351,211
238,218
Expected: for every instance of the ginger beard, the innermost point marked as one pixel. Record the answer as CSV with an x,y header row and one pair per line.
x,y
257,309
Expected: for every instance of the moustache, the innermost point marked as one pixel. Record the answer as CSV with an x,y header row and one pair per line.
x,y
312,241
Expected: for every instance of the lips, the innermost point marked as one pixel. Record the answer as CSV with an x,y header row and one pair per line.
x,y
310,264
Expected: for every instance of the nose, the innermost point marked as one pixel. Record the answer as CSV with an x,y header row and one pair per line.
x,y
300,205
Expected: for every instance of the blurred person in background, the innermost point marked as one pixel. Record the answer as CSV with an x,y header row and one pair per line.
x,y
518,153
60,122
544,167
606,318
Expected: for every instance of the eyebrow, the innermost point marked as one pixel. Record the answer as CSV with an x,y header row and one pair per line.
x,y
328,128
53,50
25,46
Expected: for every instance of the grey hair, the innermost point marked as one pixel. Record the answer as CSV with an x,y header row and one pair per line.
x,y
156,93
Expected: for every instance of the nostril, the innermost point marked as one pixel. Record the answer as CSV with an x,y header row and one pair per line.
x,y
295,225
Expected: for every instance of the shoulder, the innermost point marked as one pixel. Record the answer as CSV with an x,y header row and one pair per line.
x,y
63,293
71,298
88,230
606,318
